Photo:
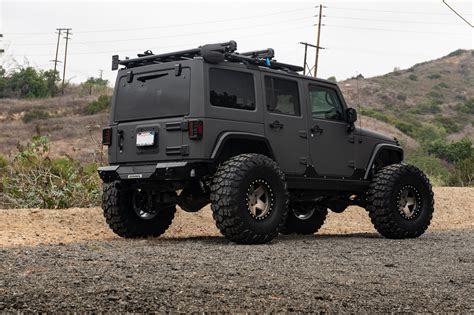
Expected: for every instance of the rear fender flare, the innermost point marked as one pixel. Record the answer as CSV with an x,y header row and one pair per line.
x,y
227,136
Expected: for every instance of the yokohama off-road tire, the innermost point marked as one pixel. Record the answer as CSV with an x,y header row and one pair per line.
x,y
383,198
307,226
229,199
119,213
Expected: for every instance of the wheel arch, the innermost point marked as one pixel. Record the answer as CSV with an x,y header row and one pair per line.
x,y
233,143
385,154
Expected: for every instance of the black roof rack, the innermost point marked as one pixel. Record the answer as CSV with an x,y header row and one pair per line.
x,y
213,53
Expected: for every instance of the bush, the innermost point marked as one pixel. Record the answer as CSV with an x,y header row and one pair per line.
x,y
35,114
34,180
103,103
432,167
29,83
448,124
452,152
463,173
402,97
434,76
413,77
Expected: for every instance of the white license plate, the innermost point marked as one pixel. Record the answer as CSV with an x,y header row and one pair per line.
x,y
145,138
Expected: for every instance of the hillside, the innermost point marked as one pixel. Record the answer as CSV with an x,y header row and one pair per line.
x,y
433,97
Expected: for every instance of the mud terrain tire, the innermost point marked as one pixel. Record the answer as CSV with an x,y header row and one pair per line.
x,y
117,203
400,201
249,199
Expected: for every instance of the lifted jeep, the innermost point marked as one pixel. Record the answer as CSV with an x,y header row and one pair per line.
x,y
270,149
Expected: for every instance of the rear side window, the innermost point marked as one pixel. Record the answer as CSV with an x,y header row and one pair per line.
x,y
231,89
282,96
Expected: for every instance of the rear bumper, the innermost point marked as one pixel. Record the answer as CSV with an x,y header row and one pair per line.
x,y
169,171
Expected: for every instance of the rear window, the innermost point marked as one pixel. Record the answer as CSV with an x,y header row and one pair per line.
x,y
153,95
231,89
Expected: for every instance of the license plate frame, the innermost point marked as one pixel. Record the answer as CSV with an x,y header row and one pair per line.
x,y
145,138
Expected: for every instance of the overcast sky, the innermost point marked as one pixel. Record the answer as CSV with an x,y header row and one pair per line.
x,y
368,37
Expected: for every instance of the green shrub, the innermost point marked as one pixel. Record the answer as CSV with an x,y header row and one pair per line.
x,y
442,85
28,83
33,180
102,104
447,123
463,173
434,76
333,79
452,152
432,167
467,107
35,114
402,97
413,77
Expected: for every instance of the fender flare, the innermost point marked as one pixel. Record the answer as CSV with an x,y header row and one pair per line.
x,y
378,148
226,136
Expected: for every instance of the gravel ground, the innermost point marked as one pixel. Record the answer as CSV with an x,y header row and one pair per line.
x,y
346,273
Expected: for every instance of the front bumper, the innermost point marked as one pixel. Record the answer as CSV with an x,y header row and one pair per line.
x,y
180,170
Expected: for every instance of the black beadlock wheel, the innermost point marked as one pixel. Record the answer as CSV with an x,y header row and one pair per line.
x,y
129,215
305,219
400,201
249,199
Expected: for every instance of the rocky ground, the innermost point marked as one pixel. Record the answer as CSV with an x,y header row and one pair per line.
x,y
67,260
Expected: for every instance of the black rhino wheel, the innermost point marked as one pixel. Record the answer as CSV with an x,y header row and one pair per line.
x,y
305,219
400,201
131,213
249,199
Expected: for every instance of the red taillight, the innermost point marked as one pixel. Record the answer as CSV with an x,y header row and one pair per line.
x,y
107,136
195,129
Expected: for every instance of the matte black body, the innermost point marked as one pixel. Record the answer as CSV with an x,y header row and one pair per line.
x,y
317,155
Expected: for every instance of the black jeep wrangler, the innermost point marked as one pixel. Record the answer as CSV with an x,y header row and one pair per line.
x,y
270,149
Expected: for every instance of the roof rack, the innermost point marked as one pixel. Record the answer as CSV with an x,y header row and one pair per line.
x,y
213,53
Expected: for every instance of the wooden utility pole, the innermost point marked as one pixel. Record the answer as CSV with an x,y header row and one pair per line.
x,y
317,42
65,58
57,50
305,63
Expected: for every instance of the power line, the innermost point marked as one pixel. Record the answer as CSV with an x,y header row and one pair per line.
x,y
458,14
171,25
392,30
385,20
388,11
168,36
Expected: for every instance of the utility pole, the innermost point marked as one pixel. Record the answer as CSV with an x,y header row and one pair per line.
x,y
57,50
65,57
317,42
101,72
305,64
1,49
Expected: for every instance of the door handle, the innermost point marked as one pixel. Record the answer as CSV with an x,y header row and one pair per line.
x,y
276,125
316,129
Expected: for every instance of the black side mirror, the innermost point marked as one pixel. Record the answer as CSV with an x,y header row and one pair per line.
x,y
351,115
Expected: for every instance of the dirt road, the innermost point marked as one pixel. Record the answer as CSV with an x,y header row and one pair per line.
x,y
80,265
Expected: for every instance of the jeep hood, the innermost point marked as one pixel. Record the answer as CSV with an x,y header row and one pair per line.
x,y
373,134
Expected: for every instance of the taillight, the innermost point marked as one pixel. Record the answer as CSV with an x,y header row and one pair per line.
x,y
195,129
107,136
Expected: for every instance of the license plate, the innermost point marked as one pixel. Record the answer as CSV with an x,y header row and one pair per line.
x,y
145,138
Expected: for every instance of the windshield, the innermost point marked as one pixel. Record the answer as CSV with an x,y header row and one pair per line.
x,y
154,94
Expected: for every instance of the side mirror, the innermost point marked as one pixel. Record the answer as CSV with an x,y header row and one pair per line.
x,y
351,115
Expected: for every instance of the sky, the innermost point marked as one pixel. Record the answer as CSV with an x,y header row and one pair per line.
x,y
359,37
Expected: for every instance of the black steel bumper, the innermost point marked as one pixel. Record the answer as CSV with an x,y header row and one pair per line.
x,y
180,170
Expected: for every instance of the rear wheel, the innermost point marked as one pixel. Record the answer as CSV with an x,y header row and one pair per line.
x,y
134,213
249,199
400,201
305,219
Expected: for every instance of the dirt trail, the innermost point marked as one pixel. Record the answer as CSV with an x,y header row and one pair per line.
x,y
26,227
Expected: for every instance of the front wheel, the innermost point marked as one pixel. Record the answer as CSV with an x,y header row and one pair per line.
x,y
249,199
400,201
134,213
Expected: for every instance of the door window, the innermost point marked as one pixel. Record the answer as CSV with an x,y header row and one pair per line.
x,y
325,103
282,96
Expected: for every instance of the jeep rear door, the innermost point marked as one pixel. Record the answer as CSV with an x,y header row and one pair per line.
x,y
149,107
332,147
285,126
